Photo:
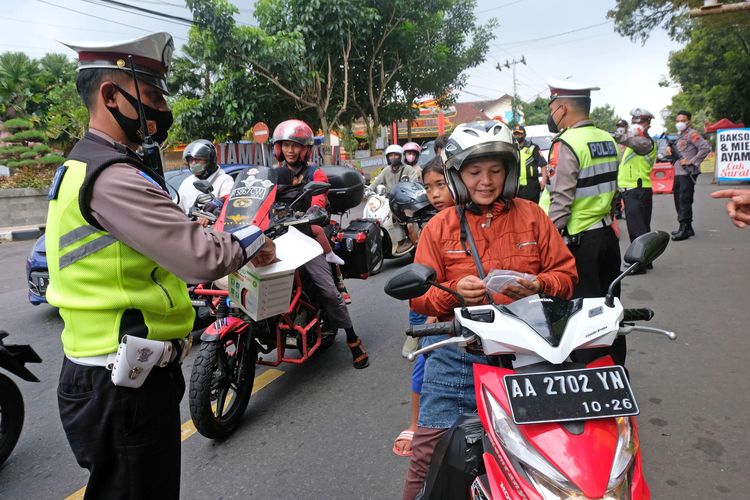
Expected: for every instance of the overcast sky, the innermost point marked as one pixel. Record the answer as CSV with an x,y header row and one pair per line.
x,y
592,52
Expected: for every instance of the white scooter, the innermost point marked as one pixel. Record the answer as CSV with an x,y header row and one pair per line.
x,y
395,239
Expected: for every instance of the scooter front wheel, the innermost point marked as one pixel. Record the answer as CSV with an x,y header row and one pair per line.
x,y
11,416
221,385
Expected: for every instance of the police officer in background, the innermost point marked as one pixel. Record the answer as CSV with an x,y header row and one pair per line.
x,y
533,166
120,253
634,173
585,183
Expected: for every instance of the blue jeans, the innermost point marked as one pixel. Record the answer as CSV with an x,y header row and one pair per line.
x,y
417,374
448,387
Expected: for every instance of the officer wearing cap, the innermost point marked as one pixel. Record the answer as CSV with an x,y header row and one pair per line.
x,y
120,254
533,166
634,173
585,159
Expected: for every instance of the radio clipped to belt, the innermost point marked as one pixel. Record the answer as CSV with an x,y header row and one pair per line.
x,y
136,357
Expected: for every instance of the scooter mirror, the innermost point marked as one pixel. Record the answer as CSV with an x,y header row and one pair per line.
x,y
315,188
380,190
646,248
412,281
203,186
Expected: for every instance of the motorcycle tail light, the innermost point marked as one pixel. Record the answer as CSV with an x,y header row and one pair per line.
x,y
539,468
361,237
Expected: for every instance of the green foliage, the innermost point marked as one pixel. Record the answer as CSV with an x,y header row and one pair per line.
x,y
713,70
21,163
67,118
13,150
604,117
42,148
16,124
636,19
28,155
535,112
27,135
53,159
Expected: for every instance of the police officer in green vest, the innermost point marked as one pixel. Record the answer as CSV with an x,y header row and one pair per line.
x,y
585,182
120,253
634,173
533,166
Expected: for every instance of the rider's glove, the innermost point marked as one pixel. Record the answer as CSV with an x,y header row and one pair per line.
x,y
250,238
214,206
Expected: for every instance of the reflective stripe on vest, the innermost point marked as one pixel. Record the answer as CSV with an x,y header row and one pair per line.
x,y
526,161
634,167
102,287
596,151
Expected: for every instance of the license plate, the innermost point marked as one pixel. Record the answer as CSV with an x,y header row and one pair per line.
x,y
567,395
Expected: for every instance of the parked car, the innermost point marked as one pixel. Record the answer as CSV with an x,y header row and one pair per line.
x,y
37,273
542,137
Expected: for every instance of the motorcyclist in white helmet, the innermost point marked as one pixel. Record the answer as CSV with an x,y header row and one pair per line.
x,y
395,171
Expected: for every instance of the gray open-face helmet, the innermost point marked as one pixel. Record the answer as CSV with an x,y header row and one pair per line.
x,y
474,141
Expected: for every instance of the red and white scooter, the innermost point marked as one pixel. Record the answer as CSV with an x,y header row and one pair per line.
x,y
547,427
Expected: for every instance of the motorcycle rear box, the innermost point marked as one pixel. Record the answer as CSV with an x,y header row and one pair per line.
x,y
266,291
347,188
358,245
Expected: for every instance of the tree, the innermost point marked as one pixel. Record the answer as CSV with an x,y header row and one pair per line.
x,y
26,154
301,48
713,70
67,118
414,48
536,111
18,82
604,117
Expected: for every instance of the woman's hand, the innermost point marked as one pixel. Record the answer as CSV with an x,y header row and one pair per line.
x,y
522,288
472,289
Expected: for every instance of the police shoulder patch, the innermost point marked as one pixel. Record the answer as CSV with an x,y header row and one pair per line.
x,y
149,179
56,181
602,149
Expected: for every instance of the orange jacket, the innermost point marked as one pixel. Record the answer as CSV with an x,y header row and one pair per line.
x,y
520,238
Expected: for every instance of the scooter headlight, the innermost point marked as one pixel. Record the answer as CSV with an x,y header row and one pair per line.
x,y
374,203
627,447
549,481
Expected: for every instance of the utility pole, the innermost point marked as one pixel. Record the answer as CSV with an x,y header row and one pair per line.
x,y
514,102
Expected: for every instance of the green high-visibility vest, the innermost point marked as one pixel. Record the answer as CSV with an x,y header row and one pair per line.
x,y
527,163
634,166
596,151
102,287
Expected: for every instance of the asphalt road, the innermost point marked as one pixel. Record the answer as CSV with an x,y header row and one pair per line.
x,y
325,430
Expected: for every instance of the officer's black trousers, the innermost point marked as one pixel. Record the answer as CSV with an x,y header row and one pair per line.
x,y
128,439
639,204
598,264
684,189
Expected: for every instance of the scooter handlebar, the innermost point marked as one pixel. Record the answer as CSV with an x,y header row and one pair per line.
x,y
432,329
642,314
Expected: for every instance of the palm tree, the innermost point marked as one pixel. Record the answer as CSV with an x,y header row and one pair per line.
x,y
18,79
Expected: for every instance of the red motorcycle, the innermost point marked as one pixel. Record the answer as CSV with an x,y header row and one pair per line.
x,y
247,327
547,427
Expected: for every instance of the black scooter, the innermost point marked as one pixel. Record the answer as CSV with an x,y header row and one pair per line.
x,y
13,358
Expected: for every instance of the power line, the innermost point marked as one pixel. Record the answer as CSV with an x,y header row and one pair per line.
x,y
26,21
114,4
101,18
498,7
531,40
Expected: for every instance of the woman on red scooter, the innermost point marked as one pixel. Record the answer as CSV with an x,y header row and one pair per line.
x,y
482,173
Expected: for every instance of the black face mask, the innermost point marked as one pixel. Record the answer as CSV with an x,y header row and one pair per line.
x,y
395,164
551,125
162,121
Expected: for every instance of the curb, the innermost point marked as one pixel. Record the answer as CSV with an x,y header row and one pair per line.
x,y
21,234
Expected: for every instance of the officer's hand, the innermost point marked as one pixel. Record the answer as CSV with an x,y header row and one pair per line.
x,y
738,207
522,288
202,221
684,162
472,289
266,255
